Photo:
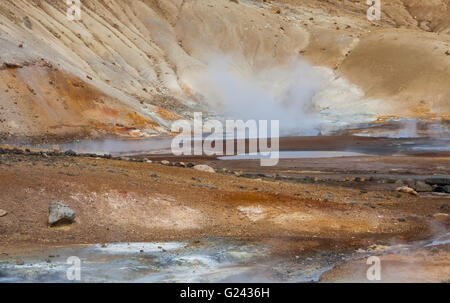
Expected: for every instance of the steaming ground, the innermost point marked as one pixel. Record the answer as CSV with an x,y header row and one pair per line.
x,y
306,100
130,69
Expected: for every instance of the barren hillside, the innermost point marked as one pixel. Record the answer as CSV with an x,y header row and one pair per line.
x,y
131,67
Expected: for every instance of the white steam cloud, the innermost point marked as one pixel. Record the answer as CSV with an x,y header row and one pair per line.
x,y
279,93
306,100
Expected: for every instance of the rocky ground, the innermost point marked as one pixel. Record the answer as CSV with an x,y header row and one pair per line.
x,y
126,200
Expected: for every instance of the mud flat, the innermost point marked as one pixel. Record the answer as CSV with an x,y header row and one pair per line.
x,y
206,260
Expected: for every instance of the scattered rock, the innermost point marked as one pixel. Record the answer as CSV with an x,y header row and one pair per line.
x,y
3,213
438,181
165,162
70,153
399,182
401,219
60,213
410,182
205,168
407,190
12,65
447,189
441,217
423,187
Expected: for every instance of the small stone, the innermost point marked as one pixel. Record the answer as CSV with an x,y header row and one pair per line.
x,y
399,182
165,162
70,153
3,213
401,220
410,182
441,217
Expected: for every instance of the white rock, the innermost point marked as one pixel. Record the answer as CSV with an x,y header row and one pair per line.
x,y
408,190
204,168
60,213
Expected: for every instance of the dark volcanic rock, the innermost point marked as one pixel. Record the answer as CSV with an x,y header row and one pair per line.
x,y
439,189
70,153
438,181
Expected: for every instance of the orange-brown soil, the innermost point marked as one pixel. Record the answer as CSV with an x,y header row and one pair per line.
x,y
126,201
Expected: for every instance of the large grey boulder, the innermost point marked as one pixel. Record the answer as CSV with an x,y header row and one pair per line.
x,y
423,187
60,213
